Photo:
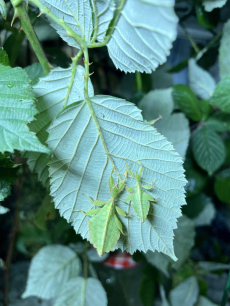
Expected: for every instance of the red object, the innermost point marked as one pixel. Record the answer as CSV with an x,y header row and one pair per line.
x,y
120,261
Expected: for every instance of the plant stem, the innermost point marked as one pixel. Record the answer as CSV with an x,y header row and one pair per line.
x,y
73,71
226,292
109,34
138,80
212,42
20,12
13,234
96,21
87,99
192,41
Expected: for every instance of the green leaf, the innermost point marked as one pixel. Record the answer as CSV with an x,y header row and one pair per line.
x,y
227,148
224,118
80,291
50,270
207,215
51,93
185,293
163,297
183,243
35,72
224,56
174,127
150,106
4,59
147,286
222,186
200,81
187,101
203,301
46,212
208,149
216,125
8,175
3,9
210,5
204,19
141,42
16,94
221,96
115,135
78,16
3,210
213,266
196,179
195,205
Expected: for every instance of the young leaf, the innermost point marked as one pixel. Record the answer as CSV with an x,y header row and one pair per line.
x,y
222,186
78,16
118,135
224,55
80,291
4,59
16,93
210,5
200,81
50,269
185,293
187,101
208,149
221,96
51,92
141,41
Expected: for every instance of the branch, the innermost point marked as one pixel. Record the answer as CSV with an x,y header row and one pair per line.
x,y
20,12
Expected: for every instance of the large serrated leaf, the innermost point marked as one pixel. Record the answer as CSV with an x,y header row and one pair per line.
x,y
17,108
50,269
200,81
183,243
78,14
224,56
208,149
51,93
210,5
82,165
80,291
143,35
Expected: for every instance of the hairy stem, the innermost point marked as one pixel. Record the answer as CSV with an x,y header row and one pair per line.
x,y
20,12
87,99
95,30
69,32
74,67
112,27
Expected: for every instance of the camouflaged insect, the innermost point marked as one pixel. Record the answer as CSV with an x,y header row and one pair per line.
x,y
104,226
140,200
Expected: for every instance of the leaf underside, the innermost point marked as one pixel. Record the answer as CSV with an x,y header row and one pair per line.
x,y
51,93
141,41
81,167
19,110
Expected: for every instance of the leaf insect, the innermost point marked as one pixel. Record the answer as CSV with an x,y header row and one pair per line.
x,y
104,226
140,200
